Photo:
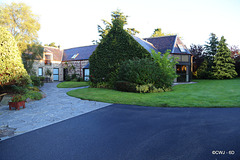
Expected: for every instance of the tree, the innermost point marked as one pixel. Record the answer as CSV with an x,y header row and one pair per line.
x,y
116,47
198,56
158,33
203,72
167,70
11,67
224,65
21,22
235,54
33,52
211,48
53,44
103,31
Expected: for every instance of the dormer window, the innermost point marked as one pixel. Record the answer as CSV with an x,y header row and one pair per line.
x,y
182,49
75,55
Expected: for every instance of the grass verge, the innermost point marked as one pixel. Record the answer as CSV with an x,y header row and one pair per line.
x,y
205,93
71,84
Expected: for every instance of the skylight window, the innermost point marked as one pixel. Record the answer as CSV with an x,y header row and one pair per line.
x,y
182,49
75,55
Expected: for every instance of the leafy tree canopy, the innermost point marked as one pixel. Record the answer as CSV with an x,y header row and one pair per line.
x,y
11,67
21,22
53,44
198,57
103,31
158,33
33,52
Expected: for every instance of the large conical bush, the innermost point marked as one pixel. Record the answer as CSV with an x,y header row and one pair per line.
x,y
113,49
12,70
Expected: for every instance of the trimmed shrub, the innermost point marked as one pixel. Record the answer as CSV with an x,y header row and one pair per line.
x,y
133,87
18,89
33,95
37,81
33,88
74,76
116,47
158,72
74,80
12,71
125,86
150,88
139,71
79,79
67,78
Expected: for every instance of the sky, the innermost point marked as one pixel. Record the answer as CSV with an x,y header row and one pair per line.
x,y
73,23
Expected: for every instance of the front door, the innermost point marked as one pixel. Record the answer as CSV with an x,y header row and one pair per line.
x,y
65,74
182,73
55,74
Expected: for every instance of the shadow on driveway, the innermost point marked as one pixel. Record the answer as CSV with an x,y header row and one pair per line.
x,y
125,132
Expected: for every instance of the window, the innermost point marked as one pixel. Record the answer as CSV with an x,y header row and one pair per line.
x,y
86,74
177,57
55,74
40,71
182,49
181,69
75,55
185,58
182,73
48,59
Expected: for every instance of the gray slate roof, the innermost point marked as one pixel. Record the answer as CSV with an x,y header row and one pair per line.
x,y
83,53
148,46
162,43
159,44
165,43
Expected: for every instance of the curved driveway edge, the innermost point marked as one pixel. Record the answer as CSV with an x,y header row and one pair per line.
x,y
128,132
56,107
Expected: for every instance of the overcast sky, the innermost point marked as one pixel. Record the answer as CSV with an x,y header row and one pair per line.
x,y
73,23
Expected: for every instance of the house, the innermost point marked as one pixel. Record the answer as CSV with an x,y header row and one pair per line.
x,y
75,61
52,60
178,50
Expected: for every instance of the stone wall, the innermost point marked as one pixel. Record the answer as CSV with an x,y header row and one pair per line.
x,y
75,67
55,64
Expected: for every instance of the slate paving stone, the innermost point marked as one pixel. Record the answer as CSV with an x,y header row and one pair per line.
x,y
56,107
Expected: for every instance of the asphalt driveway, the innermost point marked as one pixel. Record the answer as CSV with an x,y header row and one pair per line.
x,y
124,132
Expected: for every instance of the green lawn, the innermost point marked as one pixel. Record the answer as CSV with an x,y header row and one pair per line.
x,y
70,84
205,93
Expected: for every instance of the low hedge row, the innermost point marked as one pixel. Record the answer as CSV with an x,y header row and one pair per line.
x,y
133,87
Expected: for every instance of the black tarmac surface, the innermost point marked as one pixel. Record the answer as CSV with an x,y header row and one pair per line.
x,y
125,132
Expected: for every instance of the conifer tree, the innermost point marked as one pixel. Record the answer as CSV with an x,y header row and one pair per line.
x,y
209,53
224,65
211,48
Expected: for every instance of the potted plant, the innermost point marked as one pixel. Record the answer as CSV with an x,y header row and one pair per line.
x,y
17,101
